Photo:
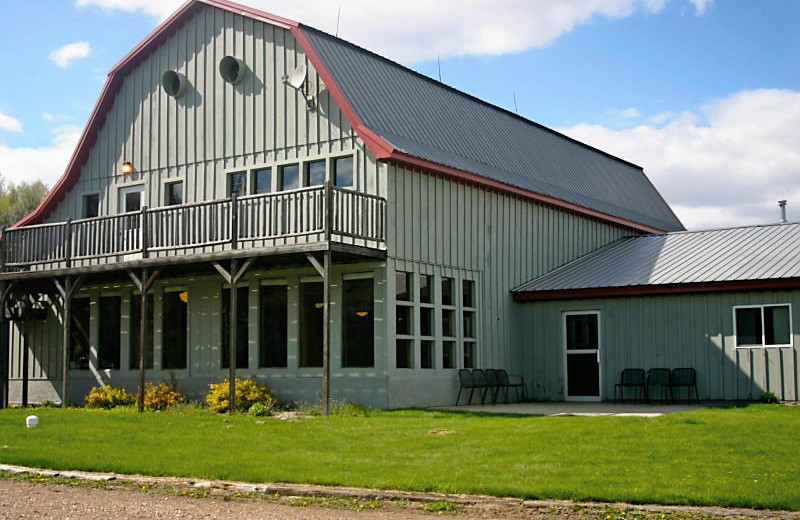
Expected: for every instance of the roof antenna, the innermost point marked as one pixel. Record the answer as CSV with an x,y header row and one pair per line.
x,y
439,64
782,205
338,14
515,102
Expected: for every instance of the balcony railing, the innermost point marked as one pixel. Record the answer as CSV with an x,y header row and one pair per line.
x,y
307,215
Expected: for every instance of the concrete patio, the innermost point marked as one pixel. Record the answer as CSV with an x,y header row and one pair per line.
x,y
578,408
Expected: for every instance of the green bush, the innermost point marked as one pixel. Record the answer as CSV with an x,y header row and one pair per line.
x,y
248,393
161,396
107,397
259,410
769,398
342,408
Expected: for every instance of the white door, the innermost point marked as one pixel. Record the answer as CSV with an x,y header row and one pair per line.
x,y
582,356
131,200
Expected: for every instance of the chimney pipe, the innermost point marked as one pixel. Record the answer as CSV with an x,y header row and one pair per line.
x,y
782,205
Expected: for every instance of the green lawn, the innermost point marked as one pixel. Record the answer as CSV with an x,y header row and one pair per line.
x,y
747,457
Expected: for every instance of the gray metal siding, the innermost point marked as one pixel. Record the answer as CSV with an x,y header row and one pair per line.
x,y
214,127
429,120
499,240
664,331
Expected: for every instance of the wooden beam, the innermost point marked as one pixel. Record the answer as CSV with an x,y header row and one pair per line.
x,y
66,292
25,364
315,263
326,333
222,272
232,346
4,345
145,282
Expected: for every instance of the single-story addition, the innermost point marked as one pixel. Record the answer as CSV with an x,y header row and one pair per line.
x,y
252,196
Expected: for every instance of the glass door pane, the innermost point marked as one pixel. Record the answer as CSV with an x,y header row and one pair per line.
x,y
582,347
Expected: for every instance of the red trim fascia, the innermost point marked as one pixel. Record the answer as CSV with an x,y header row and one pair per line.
x,y
377,145
416,162
649,290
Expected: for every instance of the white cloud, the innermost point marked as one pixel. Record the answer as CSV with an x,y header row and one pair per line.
x,y
45,163
416,30
629,113
9,123
725,164
63,56
701,6
47,116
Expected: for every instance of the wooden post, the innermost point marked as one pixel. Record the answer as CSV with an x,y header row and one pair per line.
x,y
234,222
232,336
68,243
25,362
326,332
66,339
328,208
3,349
144,235
142,326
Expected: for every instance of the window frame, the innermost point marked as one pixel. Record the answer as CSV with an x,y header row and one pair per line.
x,y
332,171
85,199
167,185
762,306
245,184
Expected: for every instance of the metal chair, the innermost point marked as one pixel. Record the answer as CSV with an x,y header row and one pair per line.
x,y
505,383
493,383
684,378
481,383
630,378
466,381
659,378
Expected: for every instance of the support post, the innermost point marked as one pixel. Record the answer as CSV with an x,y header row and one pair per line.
x,y
144,236
234,222
232,330
143,284
326,333
66,319
328,223
68,243
25,363
3,349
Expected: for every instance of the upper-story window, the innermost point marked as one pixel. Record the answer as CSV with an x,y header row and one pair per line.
x,y
289,177
237,183
315,173
173,194
343,172
91,205
262,180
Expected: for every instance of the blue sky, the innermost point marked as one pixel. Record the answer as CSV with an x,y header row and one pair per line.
x,y
698,92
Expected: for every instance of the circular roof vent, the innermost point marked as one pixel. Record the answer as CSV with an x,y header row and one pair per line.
x,y
173,83
231,69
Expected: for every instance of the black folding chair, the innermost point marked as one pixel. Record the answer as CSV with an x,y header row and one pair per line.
x,y
684,378
631,378
466,381
505,383
481,383
658,378
492,383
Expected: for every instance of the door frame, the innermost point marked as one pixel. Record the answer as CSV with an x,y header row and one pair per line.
x,y
599,349
130,188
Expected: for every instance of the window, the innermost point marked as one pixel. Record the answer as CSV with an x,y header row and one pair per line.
x,y
274,329
79,334
403,290
763,325
426,321
132,201
237,183
315,173
311,322
136,316
404,320
448,354
426,354
110,327
175,320
359,323
447,291
343,172
405,353
173,194
289,177
91,205
242,334
468,293
262,180
582,331
426,288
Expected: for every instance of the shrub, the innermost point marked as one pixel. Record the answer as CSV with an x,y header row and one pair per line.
x,y
107,397
337,407
259,410
769,398
248,392
161,396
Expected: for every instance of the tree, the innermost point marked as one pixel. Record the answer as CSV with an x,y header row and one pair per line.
x,y
19,200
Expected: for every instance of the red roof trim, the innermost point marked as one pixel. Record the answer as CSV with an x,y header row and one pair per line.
x,y
649,290
479,180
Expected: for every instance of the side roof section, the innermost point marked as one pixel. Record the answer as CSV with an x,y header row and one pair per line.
x,y
744,257
411,119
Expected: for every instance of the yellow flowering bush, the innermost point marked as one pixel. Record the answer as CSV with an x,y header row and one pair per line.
x,y
161,396
248,392
107,397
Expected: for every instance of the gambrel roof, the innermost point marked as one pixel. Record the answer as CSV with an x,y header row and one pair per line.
x,y
721,259
407,118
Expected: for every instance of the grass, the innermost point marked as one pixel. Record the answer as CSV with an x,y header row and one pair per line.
x,y
739,457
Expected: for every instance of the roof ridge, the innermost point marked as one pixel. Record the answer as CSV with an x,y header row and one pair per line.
x,y
713,230
473,98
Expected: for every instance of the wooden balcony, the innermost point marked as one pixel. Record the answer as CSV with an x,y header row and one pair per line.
x,y
307,219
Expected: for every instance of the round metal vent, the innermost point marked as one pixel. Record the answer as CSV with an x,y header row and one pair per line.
x,y
173,83
231,69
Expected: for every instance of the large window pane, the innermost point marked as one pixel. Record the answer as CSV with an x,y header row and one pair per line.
x,y
359,323
79,334
468,293
174,194
274,334
449,354
343,172
426,288
403,286
469,324
175,319
405,353
403,318
776,325
91,205
136,316
108,349
448,328
242,334
237,183
262,180
426,321
748,326
315,173
289,177
447,292
582,332
311,321
426,354
469,354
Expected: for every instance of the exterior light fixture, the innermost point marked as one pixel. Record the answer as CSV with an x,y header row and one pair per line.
x,y
184,296
361,314
127,168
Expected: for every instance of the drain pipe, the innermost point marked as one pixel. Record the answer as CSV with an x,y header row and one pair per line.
x,y
782,205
